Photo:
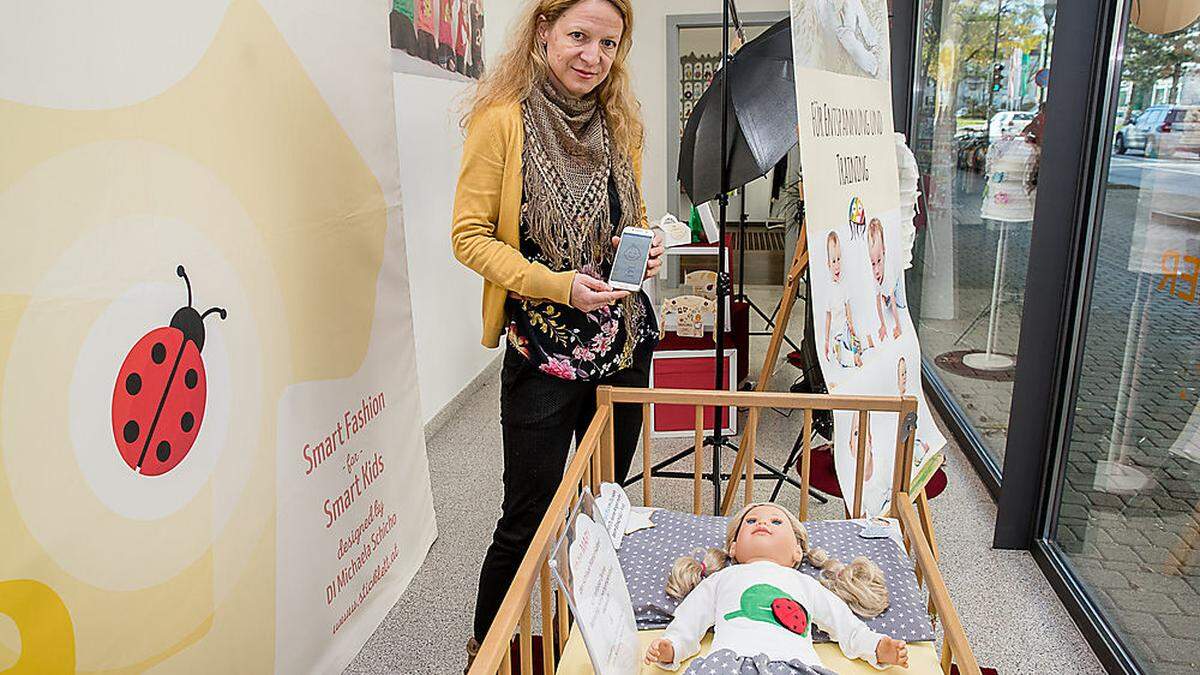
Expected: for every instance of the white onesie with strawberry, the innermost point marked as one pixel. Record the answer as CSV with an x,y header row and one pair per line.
x,y
765,608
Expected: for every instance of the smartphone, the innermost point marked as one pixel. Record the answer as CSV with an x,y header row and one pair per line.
x,y
629,265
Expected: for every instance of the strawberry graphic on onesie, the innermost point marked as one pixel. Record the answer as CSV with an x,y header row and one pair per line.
x,y
766,603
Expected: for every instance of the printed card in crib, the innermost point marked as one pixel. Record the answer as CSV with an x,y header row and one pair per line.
x,y
584,563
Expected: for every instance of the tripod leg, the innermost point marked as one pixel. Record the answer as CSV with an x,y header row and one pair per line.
x,y
787,465
739,461
697,465
770,320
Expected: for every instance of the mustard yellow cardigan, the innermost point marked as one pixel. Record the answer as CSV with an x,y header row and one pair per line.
x,y
487,216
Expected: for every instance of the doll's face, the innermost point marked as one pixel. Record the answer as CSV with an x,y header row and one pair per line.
x,y
834,250
766,534
902,376
581,45
876,248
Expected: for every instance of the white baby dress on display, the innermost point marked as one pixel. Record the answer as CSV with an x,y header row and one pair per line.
x,y
1005,196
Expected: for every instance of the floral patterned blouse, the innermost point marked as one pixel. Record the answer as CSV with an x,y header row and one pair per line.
x,y
573,345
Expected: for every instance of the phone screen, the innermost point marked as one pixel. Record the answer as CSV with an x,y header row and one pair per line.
x,y
629,265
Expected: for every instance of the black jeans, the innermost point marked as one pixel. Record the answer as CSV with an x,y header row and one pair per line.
x,y
539,415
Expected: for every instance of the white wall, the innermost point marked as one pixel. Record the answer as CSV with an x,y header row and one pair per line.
x,y
648,66
445,295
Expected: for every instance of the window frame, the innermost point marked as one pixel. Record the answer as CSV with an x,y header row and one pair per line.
x,y
1081,122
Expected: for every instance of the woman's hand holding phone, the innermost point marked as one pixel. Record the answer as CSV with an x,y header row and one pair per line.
x,y
589,293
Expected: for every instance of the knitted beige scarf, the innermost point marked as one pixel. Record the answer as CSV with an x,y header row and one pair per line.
x,y
568,160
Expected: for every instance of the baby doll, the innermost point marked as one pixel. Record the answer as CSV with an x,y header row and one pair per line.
x,y
445,56
403,32
426,25
460,38
847,348
760,605
887,291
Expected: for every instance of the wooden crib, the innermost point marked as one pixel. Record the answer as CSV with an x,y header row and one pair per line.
x,y
593,464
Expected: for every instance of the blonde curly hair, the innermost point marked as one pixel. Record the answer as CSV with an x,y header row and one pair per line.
x,y
523,66
859,584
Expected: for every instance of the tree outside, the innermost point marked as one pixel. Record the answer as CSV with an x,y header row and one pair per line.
x,y
1150,58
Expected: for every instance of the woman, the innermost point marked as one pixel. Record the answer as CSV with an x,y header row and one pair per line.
x,y
550,172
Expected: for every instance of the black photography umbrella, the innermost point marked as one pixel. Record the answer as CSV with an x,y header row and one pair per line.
x,y
762,116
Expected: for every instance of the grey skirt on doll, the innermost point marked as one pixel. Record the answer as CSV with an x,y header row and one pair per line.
x,y
726,662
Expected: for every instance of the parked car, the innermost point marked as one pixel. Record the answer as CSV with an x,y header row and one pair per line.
x,y
971,149
1007,123
1162,130
971,146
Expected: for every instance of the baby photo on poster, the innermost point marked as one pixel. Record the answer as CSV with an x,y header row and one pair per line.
x,y
865,338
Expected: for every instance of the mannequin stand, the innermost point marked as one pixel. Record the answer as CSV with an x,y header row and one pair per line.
x,y
989,359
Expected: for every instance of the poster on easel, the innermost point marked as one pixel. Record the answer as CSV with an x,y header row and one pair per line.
x,y
208,455
865,338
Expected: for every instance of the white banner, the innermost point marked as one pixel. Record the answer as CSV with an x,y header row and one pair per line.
x,y
866,339
211,456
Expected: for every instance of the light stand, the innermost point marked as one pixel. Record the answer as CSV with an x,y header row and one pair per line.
x,y
723,283
722,276
717,440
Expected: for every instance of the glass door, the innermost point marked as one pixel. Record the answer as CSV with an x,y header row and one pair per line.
x,y
1126,518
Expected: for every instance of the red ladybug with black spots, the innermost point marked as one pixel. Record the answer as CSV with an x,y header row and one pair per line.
x,y
791,615
158,401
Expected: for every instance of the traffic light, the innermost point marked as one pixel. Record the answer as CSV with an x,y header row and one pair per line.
x,y
997,77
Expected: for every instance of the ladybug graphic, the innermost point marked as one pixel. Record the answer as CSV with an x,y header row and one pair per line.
x,y
158,400
791,615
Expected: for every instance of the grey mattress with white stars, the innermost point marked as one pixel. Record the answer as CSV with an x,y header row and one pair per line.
x,y
646,558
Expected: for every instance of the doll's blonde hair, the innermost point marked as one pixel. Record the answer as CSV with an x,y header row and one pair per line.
x,y
859,584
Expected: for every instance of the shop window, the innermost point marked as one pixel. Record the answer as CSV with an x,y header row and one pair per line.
x,y
1128,510
980,87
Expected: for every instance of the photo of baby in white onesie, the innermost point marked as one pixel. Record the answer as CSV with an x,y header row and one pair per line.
x,y
920,447
846,22
889,291
844,36
841,341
